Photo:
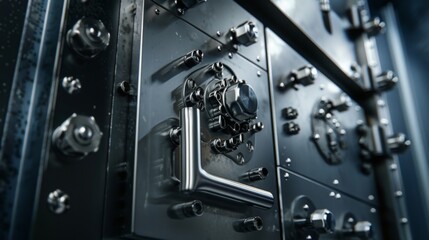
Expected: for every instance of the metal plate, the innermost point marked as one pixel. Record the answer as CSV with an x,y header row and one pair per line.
x,y
293,186
210,17
166,39
300,149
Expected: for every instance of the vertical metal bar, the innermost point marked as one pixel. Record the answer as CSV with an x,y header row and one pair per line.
x,y
191,145
408,105
24,140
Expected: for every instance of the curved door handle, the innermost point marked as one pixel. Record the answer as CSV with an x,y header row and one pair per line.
x,y
195,179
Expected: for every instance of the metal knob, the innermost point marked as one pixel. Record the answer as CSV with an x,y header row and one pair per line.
x,y
241,102
386,81
398,143
77,136
88,37
321,220
246,33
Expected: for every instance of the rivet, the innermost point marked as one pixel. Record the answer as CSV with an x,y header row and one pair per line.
x,y
286,176
336,182
218,33
157,11
258,73
316,136
398,193
373,210
371,197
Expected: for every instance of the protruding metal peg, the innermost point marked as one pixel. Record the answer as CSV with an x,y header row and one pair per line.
x,y
249,224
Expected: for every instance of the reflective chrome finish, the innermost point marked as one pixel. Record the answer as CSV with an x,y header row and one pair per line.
x,y
195,179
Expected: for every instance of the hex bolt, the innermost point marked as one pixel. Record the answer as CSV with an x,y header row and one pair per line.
x,y
255,174
291,128
386,81
241,101
304,76
361,230
246,33
58,201
88,37
374,27
71,84
398,143
193,58
250,224
321,220
193,208
125,87
175,135
257,127
290,113
217,67
77,136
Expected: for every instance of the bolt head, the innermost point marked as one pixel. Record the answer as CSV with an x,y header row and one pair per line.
x,y
241,102
58,201
77,136
246,34
323,221
88,37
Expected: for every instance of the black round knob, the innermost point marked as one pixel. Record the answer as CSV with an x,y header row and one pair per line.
x,y
241,101
88,37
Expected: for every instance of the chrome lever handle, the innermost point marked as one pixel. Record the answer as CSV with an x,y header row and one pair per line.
x,y
195,179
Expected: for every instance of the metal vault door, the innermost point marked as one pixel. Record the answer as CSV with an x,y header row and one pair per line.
x,y
205,143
